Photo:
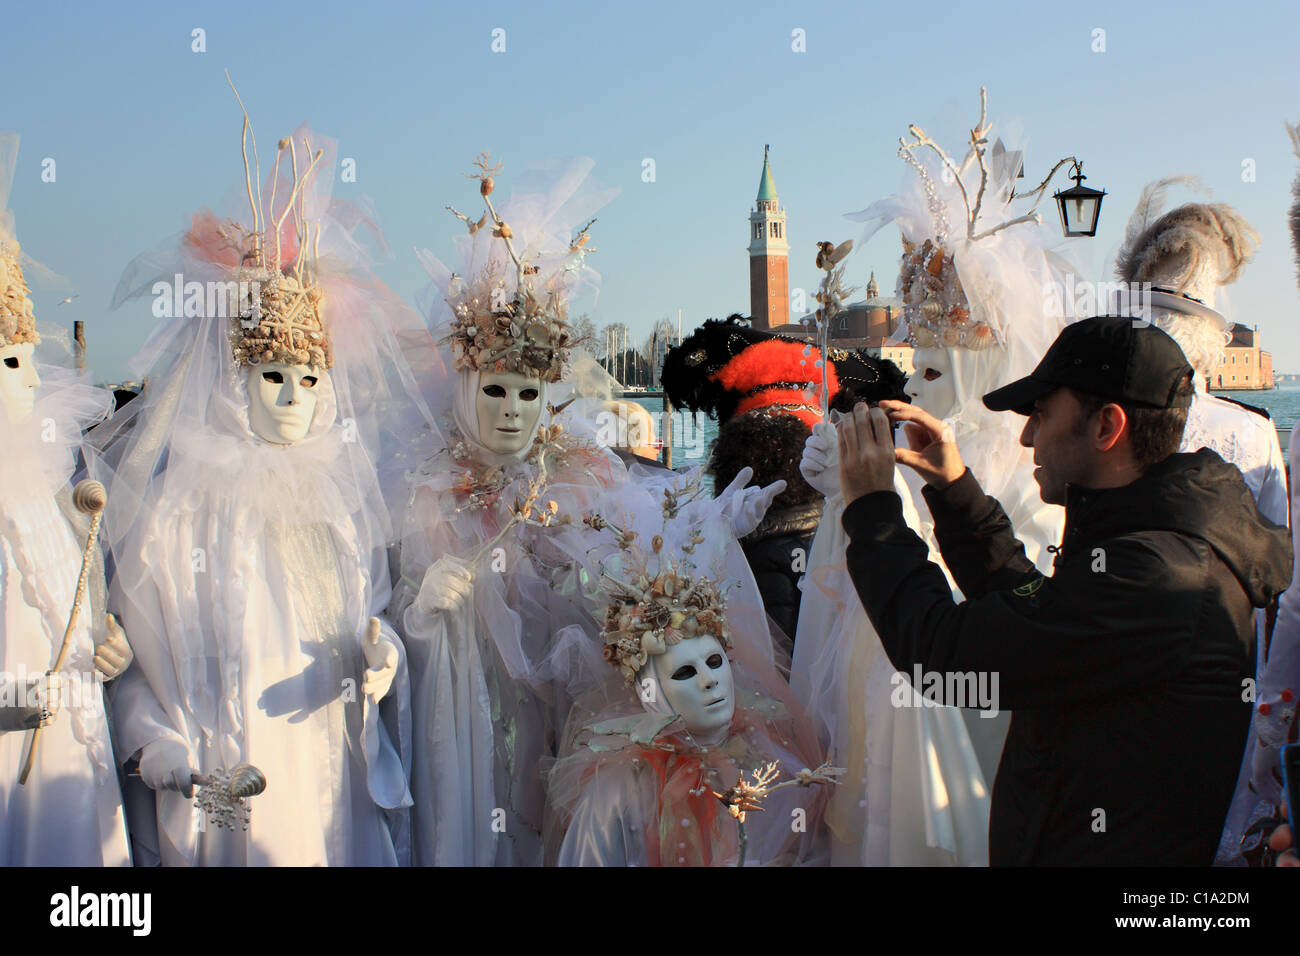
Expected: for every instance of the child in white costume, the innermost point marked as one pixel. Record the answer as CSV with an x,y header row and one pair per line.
x,y
249,532
918,778
69,810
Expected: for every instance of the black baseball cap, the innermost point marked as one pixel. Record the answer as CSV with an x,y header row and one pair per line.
x,y
1117,357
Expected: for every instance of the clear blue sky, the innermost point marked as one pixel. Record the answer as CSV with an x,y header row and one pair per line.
x,y
144,131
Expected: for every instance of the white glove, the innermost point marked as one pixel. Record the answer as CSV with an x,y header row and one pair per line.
x,y
747,506
31,703
165,765
820,464
114,655
381,661
446,586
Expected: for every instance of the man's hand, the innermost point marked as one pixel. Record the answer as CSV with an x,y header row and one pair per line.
x,y
866,453
114,655
381,662
933,455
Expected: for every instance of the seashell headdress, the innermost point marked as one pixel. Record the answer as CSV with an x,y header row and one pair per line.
x,y
17,319
280,306
657,600
525,330
935,306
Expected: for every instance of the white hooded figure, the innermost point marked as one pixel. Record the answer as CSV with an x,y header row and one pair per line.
x,y
918,779
68,811
249,535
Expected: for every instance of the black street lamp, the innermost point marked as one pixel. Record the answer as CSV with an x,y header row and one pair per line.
x,y
1080,206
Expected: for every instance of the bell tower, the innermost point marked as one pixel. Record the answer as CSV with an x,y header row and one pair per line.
x,y
769,256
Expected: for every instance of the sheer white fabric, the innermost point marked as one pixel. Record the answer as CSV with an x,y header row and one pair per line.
x,y
246,572
69,813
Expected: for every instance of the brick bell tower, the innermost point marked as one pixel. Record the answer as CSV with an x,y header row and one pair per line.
x,y
769,257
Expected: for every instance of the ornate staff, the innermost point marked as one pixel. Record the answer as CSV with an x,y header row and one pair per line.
x,y
89,497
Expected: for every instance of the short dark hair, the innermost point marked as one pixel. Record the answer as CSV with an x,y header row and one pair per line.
x,y
1154,433
771,443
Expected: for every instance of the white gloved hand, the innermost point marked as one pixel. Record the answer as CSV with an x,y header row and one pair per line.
x,y
165,765
29,704
747,506
381,661
446,586
114,655
820,464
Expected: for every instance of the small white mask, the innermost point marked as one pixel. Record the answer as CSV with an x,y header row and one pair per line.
x,y
508,406
18,381
695,679
282,401
933,387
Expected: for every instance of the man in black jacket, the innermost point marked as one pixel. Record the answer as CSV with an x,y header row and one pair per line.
x,y
1127,671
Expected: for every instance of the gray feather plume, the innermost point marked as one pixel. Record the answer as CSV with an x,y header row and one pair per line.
x,y
1185,242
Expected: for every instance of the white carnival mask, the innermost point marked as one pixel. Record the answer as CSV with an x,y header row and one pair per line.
x,y
18,381
933,386
508,406
282,401
695,679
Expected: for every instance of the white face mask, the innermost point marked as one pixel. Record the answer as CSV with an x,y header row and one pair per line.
x,y
932,386
282,401
18,381
694,676
508,406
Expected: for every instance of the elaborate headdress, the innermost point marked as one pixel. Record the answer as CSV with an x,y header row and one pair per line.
x,y
658,597
17,320
726,368
940,307
523,329
280,301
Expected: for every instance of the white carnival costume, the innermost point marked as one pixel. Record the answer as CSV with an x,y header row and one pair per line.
x,y
68,812
496,642
917,786
249,532
666,772
1277,666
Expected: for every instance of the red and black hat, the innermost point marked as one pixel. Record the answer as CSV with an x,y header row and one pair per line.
x,y
727,368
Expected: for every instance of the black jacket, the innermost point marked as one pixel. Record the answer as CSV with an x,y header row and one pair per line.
x,y
1125,670
777,551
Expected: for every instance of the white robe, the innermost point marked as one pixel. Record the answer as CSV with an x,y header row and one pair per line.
x,y
248,650
69,813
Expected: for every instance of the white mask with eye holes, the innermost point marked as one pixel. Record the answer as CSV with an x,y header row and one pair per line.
x,y
693,678
282,401
18,381
932,386
508,406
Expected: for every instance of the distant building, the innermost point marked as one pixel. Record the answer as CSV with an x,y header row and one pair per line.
x,y
1244,364
769,257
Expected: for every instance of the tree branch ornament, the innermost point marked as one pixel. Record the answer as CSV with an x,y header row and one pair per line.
x,y
831,295
280,314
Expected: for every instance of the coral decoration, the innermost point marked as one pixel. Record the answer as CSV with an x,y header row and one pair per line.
x,y
280,301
